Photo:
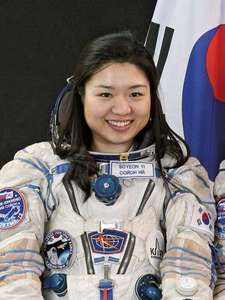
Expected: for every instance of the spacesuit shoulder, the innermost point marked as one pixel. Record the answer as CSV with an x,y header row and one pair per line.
x,y
30,164
191,175
192,178
42,151
219,184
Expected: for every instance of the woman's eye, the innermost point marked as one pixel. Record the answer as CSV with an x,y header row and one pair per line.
x,y
105,95
136,94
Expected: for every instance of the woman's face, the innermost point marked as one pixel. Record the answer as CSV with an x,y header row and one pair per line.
x,y
117,105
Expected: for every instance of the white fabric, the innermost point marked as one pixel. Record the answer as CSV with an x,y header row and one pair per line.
x,y
33,167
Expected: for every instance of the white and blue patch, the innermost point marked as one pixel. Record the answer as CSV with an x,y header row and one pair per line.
x,y
205,219
199,218
220,224
58,250
130,169
107,242
12,208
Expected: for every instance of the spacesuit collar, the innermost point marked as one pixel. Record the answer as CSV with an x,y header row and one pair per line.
x,y
125,156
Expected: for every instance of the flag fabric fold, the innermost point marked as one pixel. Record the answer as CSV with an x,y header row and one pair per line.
x,y
187,40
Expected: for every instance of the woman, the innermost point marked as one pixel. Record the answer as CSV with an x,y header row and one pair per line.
x,y
116,204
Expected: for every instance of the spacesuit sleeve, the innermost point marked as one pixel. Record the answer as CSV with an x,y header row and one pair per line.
x,y
219,194
187,268
23,186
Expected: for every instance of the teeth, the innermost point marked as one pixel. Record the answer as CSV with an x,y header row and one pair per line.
x,y
119,123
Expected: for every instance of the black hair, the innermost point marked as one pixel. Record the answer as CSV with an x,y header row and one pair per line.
x,y
117,47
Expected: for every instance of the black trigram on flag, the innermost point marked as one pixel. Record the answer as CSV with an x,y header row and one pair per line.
x,y
151,41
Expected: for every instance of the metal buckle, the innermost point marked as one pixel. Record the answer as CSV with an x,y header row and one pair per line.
x,y
107,226
124,156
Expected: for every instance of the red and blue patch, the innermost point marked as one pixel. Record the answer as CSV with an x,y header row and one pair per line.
x,y
12,208
220,224
205,218
109,241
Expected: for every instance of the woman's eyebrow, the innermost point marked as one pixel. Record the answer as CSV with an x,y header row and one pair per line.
x,y
130,87
104,86
138,86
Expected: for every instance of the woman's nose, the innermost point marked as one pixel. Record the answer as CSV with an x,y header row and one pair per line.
x,y
121,105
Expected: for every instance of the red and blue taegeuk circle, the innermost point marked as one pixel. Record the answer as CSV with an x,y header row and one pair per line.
x,y
203,99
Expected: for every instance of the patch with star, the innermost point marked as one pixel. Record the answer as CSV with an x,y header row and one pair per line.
x,y
109,241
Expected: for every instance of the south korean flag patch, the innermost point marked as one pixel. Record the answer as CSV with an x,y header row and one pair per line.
x,y
200,219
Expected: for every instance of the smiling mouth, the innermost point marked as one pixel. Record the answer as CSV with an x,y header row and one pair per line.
x,y
119,124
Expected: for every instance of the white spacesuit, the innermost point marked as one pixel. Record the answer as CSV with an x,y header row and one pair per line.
x,y
219,193
86,246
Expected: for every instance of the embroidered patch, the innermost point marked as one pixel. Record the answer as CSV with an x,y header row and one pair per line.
x,y
220,224
57,249
155,248
132,169
204,218
12,208
107,242
199,218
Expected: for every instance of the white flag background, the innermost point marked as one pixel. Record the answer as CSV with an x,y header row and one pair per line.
x,y
187,39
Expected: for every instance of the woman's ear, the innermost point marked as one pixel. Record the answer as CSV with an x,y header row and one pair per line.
x,y
80,90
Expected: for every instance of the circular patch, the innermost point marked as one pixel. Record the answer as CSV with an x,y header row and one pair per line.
x,y
12,208
57,249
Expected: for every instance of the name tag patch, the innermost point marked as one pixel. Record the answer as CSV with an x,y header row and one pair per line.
x,y
108,241
57,249
12,208
132,169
